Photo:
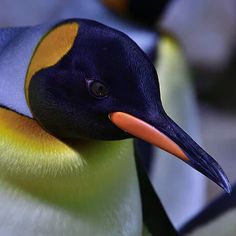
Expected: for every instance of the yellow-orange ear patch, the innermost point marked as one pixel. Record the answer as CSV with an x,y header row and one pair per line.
x,y
120,6
53,46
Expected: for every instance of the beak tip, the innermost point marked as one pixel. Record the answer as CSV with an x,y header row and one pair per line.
x,y
224,183
227,187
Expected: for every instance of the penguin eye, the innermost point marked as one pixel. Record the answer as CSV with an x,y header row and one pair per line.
x,y
98,89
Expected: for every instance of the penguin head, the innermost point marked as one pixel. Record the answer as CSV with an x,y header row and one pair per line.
x,y
102,86
103,72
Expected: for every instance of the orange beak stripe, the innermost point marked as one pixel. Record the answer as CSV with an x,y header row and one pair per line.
x,y
146,132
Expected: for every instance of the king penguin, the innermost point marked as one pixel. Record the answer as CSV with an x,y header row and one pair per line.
x,y
73,94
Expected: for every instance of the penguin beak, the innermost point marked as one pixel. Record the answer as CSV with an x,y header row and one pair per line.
x,y
168,136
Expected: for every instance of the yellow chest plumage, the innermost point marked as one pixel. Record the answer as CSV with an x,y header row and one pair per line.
x,y
96,179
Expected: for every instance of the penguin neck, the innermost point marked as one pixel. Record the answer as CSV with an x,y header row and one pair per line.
x,y
20,42
92,180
